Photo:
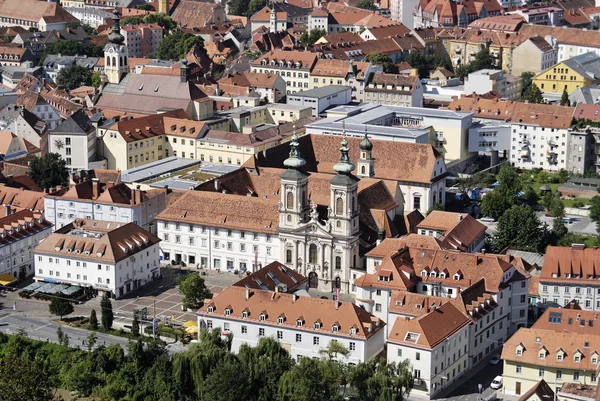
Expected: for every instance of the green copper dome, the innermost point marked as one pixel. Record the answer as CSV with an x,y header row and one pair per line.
x,y
366,144
344,166
295,160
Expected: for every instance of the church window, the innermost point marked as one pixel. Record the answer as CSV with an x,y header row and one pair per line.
x,y
338,224
108,61
120,61
289,218
339,206
338,262
289,201
114,61
312,253
288,256
363,170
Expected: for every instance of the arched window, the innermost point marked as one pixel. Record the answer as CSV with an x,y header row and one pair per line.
x,y
339,206
288,256
338,262
312,253
289,218
289,200
363,170
120,61
108,61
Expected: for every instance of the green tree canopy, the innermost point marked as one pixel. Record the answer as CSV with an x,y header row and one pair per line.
x,y
377,381
176,45
311,380
533,94
255,5
520,228
49,171
366,5
72,48
73,77
425,63
483,59
309,38
595,211
161,19
107,312
23,379
526,78
383,60
238,7
194,291
146,7
93,320
60,307
564,99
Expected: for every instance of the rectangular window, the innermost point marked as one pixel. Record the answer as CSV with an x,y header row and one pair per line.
x,y
298,338
352,346
244,329
315,340
261,332
541,372
558,374
418,356
279,335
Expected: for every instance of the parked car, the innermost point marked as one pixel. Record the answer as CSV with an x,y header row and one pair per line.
x,y
488,219
495,359
496,383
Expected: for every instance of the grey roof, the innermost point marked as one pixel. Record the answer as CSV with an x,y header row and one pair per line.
x,y
53,61
588,95
156,169
322,91
18,72
78,124
176,183
88,11
529,257
587,65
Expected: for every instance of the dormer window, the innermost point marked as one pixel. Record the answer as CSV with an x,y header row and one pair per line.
x,y
432,274
577,358
353,331
442,275
542,355
210,309
299,323
262,317
519,352
280,320
424,273
595,360
227,311
245,314
317,326
335,328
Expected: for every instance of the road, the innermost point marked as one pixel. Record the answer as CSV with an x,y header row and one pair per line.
x,y
580,225
41,329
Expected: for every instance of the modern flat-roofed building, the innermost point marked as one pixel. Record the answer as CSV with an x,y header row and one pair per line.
x,y
319,99
111,257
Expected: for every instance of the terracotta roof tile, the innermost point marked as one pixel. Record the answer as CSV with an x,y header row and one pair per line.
x,y
274,275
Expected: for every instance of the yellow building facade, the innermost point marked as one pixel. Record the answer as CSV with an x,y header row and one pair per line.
x,y
560,77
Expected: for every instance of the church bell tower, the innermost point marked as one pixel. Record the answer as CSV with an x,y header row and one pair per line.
x,y
116,63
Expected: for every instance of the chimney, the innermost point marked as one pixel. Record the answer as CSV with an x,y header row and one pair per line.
x,y
7,210
276,289
460,217
110,184
217,184
483,251
138,195
95,187
294,297
248,293
337,304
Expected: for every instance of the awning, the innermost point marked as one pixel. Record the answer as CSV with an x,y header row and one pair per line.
x,y
190,323
33,286
6,279
71,290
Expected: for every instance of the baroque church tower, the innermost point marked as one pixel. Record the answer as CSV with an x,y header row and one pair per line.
x,y
366,163
294,205
116,63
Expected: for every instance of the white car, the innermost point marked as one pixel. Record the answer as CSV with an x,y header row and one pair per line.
x,y
487,219
496,383
495,359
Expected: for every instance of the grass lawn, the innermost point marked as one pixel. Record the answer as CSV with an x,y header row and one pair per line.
x,y
567,202
190,173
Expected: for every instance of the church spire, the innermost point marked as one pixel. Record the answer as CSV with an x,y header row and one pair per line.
x,y
115,36
344,166
295,160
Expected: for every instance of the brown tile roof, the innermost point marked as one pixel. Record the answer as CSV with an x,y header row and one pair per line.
x,y
541,389
510,22
306,59
431,329
342,37
382,32
587,111
575,17
393,83
568,320
390,246
135,129
260,80
328,313
563,264
264,14
541,43
33,10
460,230
21,198
322,152
413,304
534,286
194,13
108,193
106,241
578,391
21,224
274,275
535,341
329,67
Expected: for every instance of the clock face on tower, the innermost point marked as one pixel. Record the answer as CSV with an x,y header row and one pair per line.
x,y
59,144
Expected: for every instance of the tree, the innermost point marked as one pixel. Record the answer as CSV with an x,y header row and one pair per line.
x,y
194,290
23,378
135,326
424,63
107,312
311,380
72,48
238,7
510,182
176,45
60,307
436,206
78,24
255,5
309,38
520,228
228,382
595,211
73,77
334,349
93,320
49,171
559,230
564,99
533,94
145,7
557,208
60,334
494,205
165,22
383,60
483,59
96,79
91,341
526,78
366,5
376,380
